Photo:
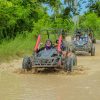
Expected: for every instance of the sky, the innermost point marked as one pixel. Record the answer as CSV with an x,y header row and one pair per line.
x,y
82,10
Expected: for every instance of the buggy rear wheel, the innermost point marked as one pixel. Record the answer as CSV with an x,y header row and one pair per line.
x,y
69,64
93,51
27,64
75,61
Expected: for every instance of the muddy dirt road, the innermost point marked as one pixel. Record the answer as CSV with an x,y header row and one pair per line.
x,y
83,84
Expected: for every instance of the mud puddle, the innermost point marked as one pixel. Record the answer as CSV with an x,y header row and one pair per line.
x,y
82,84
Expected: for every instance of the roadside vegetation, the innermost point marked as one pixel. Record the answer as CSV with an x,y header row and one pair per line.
x,y
91,19
22,20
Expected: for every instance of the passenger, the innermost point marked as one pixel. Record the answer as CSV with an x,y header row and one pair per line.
x,y
86,37
62,45
76,39
90,35
46,51
48,46
81,38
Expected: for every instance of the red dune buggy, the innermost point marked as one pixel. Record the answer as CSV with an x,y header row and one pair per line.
x,y
57,56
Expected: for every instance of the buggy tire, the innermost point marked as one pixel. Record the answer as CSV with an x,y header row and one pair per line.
x,y
27,64
75,61
93,51
69,63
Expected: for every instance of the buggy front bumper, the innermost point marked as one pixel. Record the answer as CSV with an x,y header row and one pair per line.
x,y
45,63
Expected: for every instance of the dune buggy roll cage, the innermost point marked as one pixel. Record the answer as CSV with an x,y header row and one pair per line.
x,y
58,31
48,34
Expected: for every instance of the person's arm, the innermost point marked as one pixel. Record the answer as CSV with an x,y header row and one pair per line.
x,y
40,49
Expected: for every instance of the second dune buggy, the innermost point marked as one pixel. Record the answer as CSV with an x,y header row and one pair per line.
x,y
83,43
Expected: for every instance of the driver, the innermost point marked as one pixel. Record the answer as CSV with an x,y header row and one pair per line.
x,y
47,50
48,45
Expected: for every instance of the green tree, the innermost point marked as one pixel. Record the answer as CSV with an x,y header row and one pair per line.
x,y
95,8
89,21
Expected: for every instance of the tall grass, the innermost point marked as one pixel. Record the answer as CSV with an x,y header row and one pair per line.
x,y
20,46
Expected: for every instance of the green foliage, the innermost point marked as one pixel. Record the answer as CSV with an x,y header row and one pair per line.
x,y
95,8
63,23
42,23
91,21
17,16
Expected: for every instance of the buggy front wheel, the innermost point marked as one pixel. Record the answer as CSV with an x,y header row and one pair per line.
x,y
27,64
93,51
